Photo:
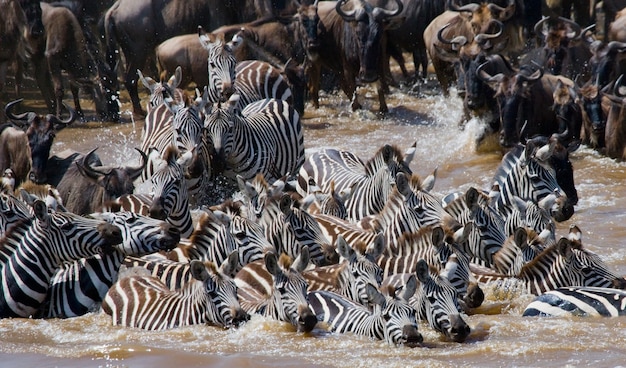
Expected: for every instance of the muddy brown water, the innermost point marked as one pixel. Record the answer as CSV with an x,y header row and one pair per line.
x,y
500,337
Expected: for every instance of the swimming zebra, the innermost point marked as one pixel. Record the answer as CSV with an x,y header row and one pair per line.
x,y
527,172
276,288
79,287
51,239
266,137
146,303
578,301
518,250
391,319
563,264
169,200
369,183
350,277
535,216
435,300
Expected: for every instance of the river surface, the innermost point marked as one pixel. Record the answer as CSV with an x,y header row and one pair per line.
x,y
500,337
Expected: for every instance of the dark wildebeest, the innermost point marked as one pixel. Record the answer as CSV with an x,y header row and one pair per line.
x,y
12,28
615,133
26,151
611,8
578,10
87,184
353,44
595,107
138,26
63,47
617,28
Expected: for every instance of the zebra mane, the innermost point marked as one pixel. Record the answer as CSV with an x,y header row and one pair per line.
x,y
383,157
285,261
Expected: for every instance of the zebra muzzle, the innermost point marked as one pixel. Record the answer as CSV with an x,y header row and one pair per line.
x,y
239,317
306,319
411,336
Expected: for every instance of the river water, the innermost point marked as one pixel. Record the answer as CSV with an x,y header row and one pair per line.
x,y
500,336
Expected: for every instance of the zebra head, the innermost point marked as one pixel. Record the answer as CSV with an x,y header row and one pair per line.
x,y
219,124
141,234
437,301
289,300
169,187
398,317
532,215
70,236
221,63
221,291
256,193
12,210
160,90
362,268
250,239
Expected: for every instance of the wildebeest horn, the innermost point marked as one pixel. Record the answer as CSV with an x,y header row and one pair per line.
x,y
503,13
20,117
455,42
613,45
537,74
380,13
70,119
346,15
481,38
86,169
471,7
539,25
616,87
486,77
575,27
136,171
583,33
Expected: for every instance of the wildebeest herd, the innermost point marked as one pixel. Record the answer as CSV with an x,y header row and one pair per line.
x,y
361,245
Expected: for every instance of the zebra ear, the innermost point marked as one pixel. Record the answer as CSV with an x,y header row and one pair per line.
x,y
302,261
402,183
229,266
409,154
520,204
271,263
429,182
471,197
564,249
198,270
344,249
148,82
41,210
27,197
521,237
285,204
377,247
438,236
409,288
175,79
375,296
422,272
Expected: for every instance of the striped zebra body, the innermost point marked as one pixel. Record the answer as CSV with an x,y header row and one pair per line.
x,y
562,265
52,238
276,288
518,250
332,203
525,172
258,80
332,227
435,300
266,137
12,210
535,216
169,200
351,277
79,287
578,301
392,319
147,303
289,229
369,184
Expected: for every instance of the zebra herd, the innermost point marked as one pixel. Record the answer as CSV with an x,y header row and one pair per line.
x,y
328,240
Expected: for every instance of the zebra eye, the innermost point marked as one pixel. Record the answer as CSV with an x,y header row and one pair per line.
x,y
431,299
212,64
240,235
131,220
386,316
281,289
67,226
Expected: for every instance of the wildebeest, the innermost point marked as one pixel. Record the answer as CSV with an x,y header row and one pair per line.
x,y
352,43
615,133
579,10
26,151
138,26
64,47
617,28
611,7
12,28
85,186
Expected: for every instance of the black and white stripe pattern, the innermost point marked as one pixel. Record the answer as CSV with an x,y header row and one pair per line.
x,y
221,64
79,287
51,239
392,319
578,301
12,210
351,277
265,138
369,183
146,303
275,288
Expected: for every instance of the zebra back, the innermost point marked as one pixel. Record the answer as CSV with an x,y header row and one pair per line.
x,y
392,319
258,80
276,288
145,302
578,301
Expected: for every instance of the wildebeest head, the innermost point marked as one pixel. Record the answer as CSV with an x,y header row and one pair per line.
x,y
368,24
560,31
308,20
40,131
32,10
480,15
116,181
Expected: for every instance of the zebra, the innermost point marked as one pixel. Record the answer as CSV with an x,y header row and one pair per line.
x,y
169,200
578,301
526,172
12,210
276,288
160,90
332,203
435,300
517,251
79,287
145,302
255,193
266,137
349,278
391,319
51,239
563,264
535,216
369,183
221,63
